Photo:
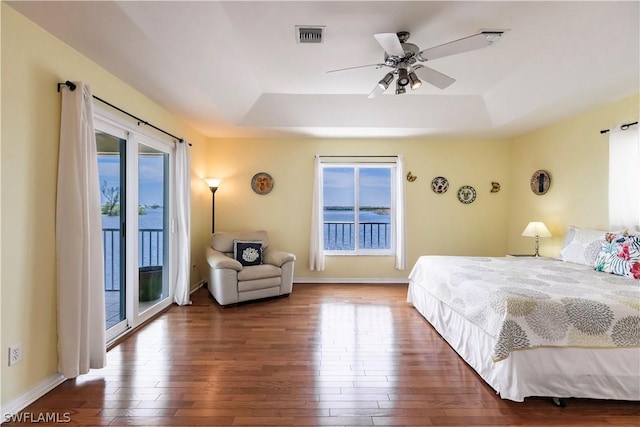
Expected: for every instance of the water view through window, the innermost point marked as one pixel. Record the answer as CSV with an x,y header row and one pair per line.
x,y
357,208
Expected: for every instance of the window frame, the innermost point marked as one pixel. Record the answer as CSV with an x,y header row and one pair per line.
x,y
623,174
392,167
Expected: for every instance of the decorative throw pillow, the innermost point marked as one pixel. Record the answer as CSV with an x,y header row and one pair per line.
x,y
620,255
582,246
247,252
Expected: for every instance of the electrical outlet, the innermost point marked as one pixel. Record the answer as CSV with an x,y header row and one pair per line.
x,y
15,354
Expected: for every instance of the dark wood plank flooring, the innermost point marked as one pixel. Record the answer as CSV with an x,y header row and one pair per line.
x,y
338,355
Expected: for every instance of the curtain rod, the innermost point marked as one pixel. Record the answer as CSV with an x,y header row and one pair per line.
x,y
72,87
623,127
359,156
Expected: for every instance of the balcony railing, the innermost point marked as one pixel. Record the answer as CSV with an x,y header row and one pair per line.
x,y
150,252
337,236
340,235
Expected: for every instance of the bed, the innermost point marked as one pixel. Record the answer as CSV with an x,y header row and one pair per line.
x,y
535,326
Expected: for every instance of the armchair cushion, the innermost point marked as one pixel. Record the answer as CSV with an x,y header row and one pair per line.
x,y
255,272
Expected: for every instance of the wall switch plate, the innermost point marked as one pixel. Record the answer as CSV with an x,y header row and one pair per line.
x,y
15,354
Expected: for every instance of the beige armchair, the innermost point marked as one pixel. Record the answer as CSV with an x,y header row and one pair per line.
x,y
231,282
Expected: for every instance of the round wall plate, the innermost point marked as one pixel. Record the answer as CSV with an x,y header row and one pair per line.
x,y
262,183
466,194
439,185
540,182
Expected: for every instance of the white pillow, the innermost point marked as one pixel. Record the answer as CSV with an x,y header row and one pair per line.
x,y
581,245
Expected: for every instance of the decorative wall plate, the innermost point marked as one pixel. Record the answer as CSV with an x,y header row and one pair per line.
x,y
439,184
540,182
262,183
466,194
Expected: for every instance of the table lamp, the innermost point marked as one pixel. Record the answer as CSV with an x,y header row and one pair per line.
x,y
536,229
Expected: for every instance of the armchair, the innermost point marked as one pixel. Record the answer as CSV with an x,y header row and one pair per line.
x,y
231,282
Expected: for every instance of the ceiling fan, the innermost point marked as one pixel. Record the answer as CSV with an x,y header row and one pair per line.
x,y
403,57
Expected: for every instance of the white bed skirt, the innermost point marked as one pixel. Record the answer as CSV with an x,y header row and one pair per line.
x,y
545,371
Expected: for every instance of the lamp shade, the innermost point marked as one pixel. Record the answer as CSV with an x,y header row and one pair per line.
x,y
403,76
386,81
414,81
534,229
213,182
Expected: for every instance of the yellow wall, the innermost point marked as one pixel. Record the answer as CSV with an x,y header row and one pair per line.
x,y
32,63
436,223
573,151
577,157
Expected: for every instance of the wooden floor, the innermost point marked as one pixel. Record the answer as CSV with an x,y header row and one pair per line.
x,y
350,355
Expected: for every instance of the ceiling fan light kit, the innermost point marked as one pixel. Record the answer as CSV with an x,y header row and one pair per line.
x,y
403,76
414,81
386,81
403,57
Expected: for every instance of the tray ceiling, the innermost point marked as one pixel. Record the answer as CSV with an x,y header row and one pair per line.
x,y
235,69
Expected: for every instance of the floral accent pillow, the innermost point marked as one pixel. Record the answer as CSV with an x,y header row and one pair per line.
x,y
620,255
247,252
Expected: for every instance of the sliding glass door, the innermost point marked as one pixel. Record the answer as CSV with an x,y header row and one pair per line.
x,y
135,184
111,161
153,219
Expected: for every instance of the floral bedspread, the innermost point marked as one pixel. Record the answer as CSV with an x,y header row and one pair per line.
x,y
533,302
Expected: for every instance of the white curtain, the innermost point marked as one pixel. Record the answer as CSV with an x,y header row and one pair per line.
x,y
183,220
316,247
624,179
401,241
79,260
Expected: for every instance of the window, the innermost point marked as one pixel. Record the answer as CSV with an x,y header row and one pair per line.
x,y
357,208
358,190
624,178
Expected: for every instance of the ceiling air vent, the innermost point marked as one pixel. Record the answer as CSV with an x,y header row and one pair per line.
x,y
309,34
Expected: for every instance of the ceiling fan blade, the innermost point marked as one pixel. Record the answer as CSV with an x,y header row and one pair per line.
x,y
390,43
353,68
434,77
476,41
376,92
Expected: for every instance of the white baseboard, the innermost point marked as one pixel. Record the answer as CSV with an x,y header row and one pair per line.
x,y
359,280
198,285
18,404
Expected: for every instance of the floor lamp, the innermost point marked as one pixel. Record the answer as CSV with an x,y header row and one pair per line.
x,y
213,184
